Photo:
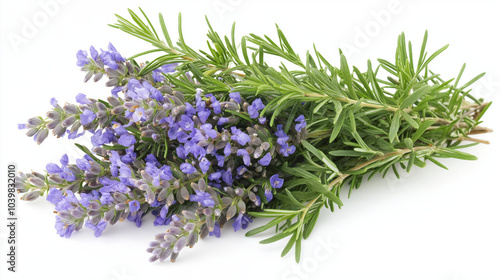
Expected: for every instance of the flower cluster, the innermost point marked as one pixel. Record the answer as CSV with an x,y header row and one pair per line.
x,y
194,162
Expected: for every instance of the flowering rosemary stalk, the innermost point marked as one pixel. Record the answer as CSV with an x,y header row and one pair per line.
x,y
200,139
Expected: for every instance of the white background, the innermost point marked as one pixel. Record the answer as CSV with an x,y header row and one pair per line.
x,y
431,224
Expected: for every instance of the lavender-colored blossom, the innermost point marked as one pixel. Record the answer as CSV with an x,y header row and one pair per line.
x,y
63,171
227,177
82,99
204,165
276,181
186,123
245,155
134,205
139,115
269,194
82,58
203,115
241,222
241,137
265,160
93,53
253,110
63,229
287,150
235,96
87,117
214,176
54,196
203,198
83,164
98,229
136,218
127,140
222,120
53,102
101,137
227,150
106,199
216,231
187,168
282,137
301,123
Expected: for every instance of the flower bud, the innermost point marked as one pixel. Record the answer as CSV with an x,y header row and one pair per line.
x,y
109,215
53,124
98,76
88,76
114,101
34,122
118,110
31,196
241,206
71,109
32,131
35,181
231,212
68,121
53,115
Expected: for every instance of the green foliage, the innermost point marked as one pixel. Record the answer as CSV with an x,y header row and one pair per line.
x,y
358,123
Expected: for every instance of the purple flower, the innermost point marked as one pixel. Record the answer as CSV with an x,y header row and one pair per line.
x,y
269,194
127,140
203,115
241,137
133,206
187,168
63,229
227,177
139,115
286,150
220,160
63,170
216,230
301,123
227,150
276,181
98,229
106,199
87,117
83,164
21,126
203,198
215,104
235,96
282,137
54,196
214,176
137,218
222,121
93,53
241,222
82,99
102,137
53,102
253,110
204,165
82,58
246,156
164,211
265,160
262,120
186,123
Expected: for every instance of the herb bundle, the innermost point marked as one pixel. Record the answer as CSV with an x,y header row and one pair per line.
x,y
200,139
